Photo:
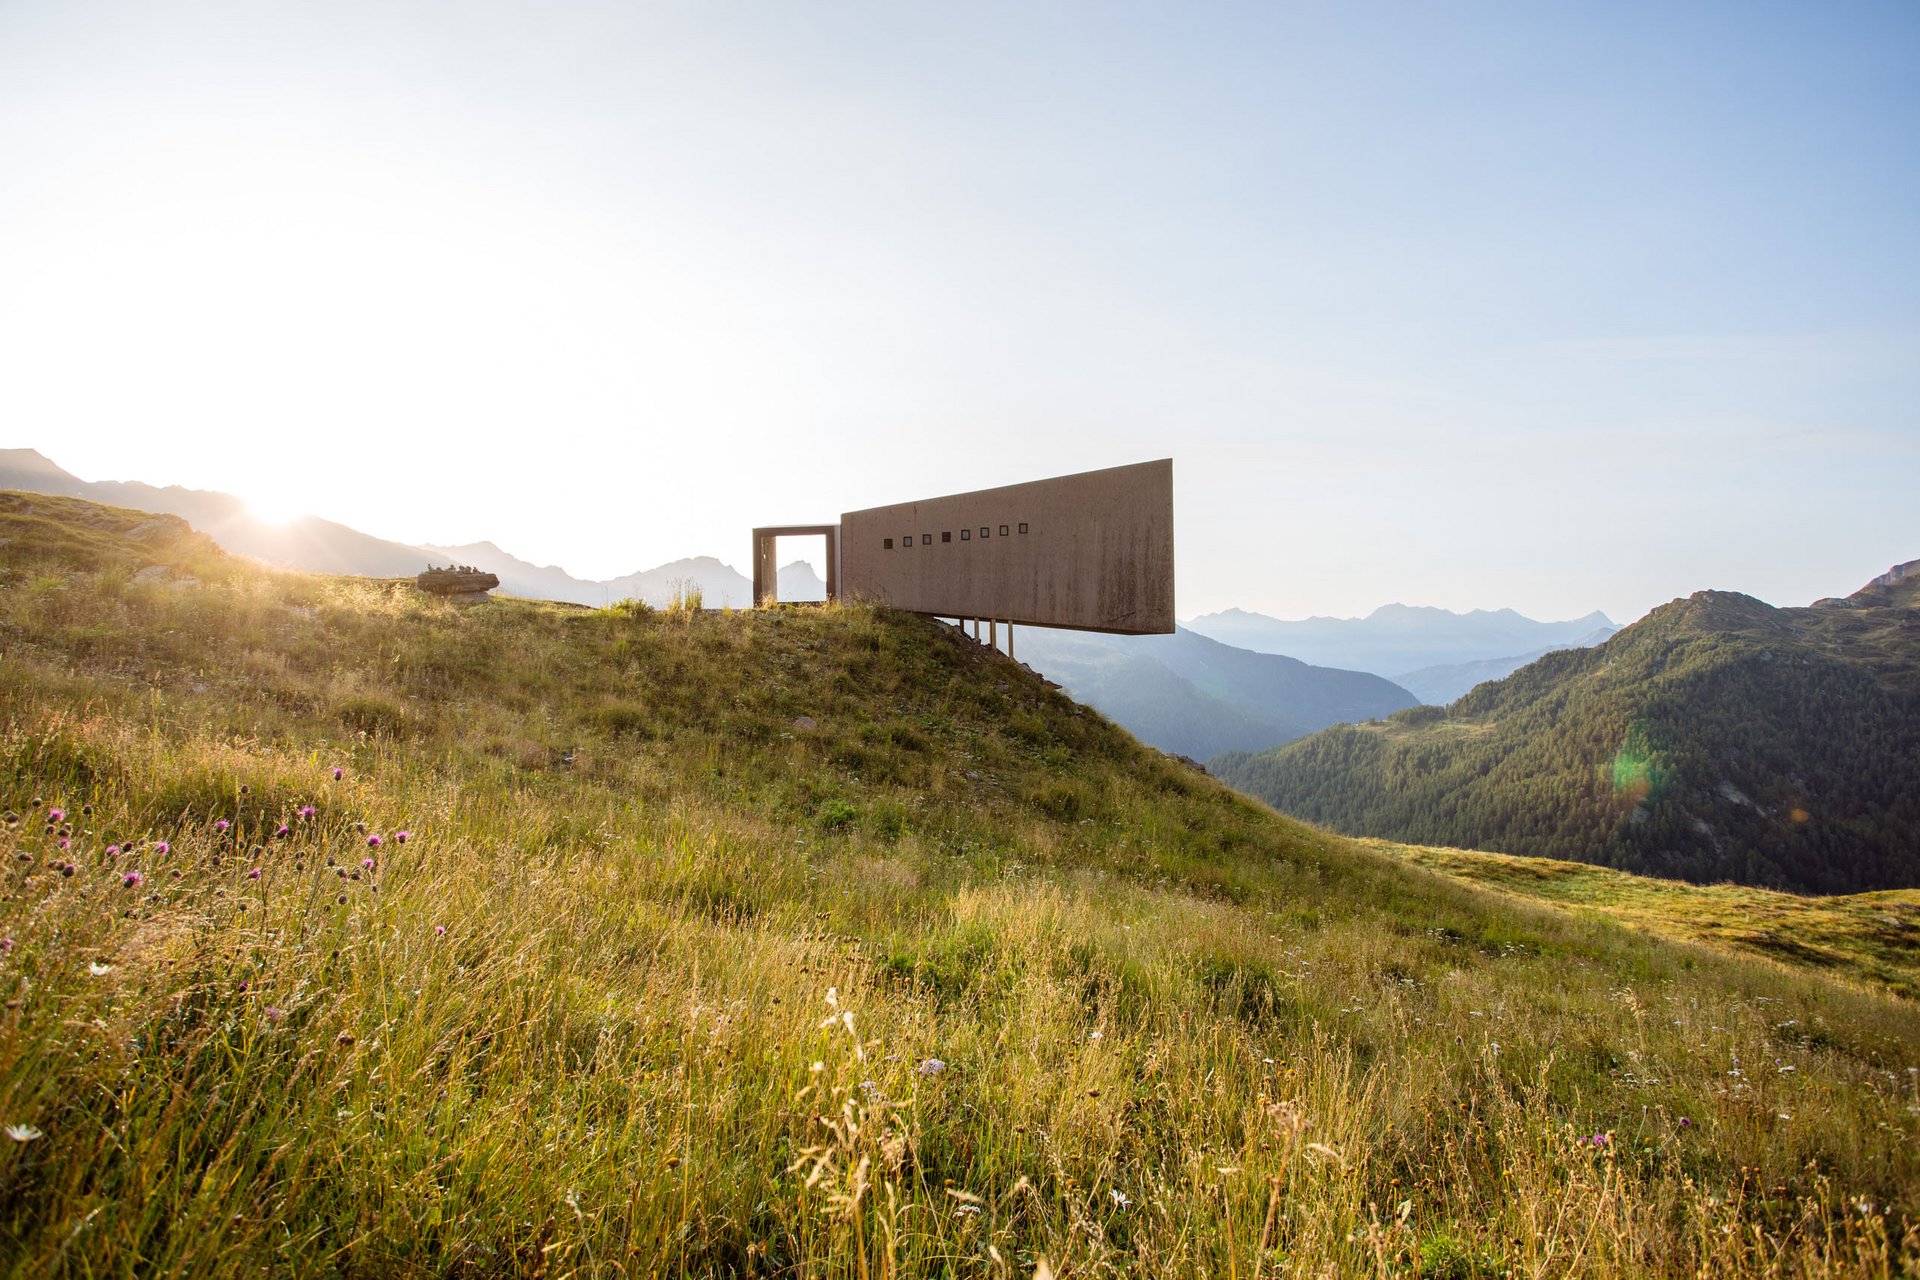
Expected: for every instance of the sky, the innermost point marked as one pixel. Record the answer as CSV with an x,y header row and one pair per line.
x,y
1545,306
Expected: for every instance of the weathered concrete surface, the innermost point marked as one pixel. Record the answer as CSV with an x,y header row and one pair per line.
x,y
766,572
1096,553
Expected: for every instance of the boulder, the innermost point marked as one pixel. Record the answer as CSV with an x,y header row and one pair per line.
x,y
462,585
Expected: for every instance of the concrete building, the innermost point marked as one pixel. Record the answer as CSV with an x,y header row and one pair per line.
x,y
1092,551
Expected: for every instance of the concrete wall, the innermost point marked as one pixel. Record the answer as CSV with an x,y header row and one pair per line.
x,y
1092,551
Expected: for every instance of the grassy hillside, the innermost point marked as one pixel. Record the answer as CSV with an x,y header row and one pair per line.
x,y
813,942
1716,739
1869,938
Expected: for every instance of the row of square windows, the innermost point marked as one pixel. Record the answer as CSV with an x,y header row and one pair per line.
x,y
966,535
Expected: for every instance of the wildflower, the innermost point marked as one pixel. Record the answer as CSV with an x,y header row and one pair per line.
x,y
282,831
439,931
254,874
1119,1197
221,825
6,945
97,969
931,1067
1685,1123
401,837
67,869
113,851
1093,1035
373,841
366,864
276,1014
56,815
133,879
307,811
23,1132
162,847
64,844
339,774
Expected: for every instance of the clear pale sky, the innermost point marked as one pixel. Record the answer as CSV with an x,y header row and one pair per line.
x,y
1546,306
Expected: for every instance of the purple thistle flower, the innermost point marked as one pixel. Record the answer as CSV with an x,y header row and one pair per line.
x,y
339,774
221,825
366,863
63,842
7,944
56,815
401,837
275,1013
307,811
439,931
162,847
283,831
133,879
373,841
1685,1123
113,851
254,874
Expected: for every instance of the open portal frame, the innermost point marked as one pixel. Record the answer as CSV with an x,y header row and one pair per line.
x,y
766,562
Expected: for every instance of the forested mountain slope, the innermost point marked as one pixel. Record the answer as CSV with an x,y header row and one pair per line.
x,y
815,942
1718,738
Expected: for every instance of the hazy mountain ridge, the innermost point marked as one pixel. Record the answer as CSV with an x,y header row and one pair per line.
x,y
324,546
1718,738
1398,639
1198,697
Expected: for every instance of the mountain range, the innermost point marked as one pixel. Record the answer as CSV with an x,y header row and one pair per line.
x,y
1718,738
323,546
1197,697
1427,650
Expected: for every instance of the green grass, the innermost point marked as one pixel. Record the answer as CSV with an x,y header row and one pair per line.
x,y
691,900
1869,938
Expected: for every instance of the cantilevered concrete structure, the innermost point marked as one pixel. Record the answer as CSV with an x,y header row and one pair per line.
x,y
1092,551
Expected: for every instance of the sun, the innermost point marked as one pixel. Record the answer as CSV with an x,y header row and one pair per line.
x,y
277,513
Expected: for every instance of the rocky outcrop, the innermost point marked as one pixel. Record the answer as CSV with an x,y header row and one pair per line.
x,y
462,584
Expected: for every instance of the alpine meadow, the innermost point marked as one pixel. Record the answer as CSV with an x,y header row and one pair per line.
x,y
351,933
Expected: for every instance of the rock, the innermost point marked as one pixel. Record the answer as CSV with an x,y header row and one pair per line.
x,y
805,724
153,575
462,586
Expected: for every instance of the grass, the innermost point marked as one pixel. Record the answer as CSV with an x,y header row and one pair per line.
x,y
1872,939
809,942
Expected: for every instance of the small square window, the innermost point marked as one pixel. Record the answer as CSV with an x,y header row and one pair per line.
x,y
946,535
887,543
966,535
926,539
1003,531
906,543
984,531
1023,526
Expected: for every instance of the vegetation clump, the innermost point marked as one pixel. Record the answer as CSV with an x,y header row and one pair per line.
x,y
959,981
